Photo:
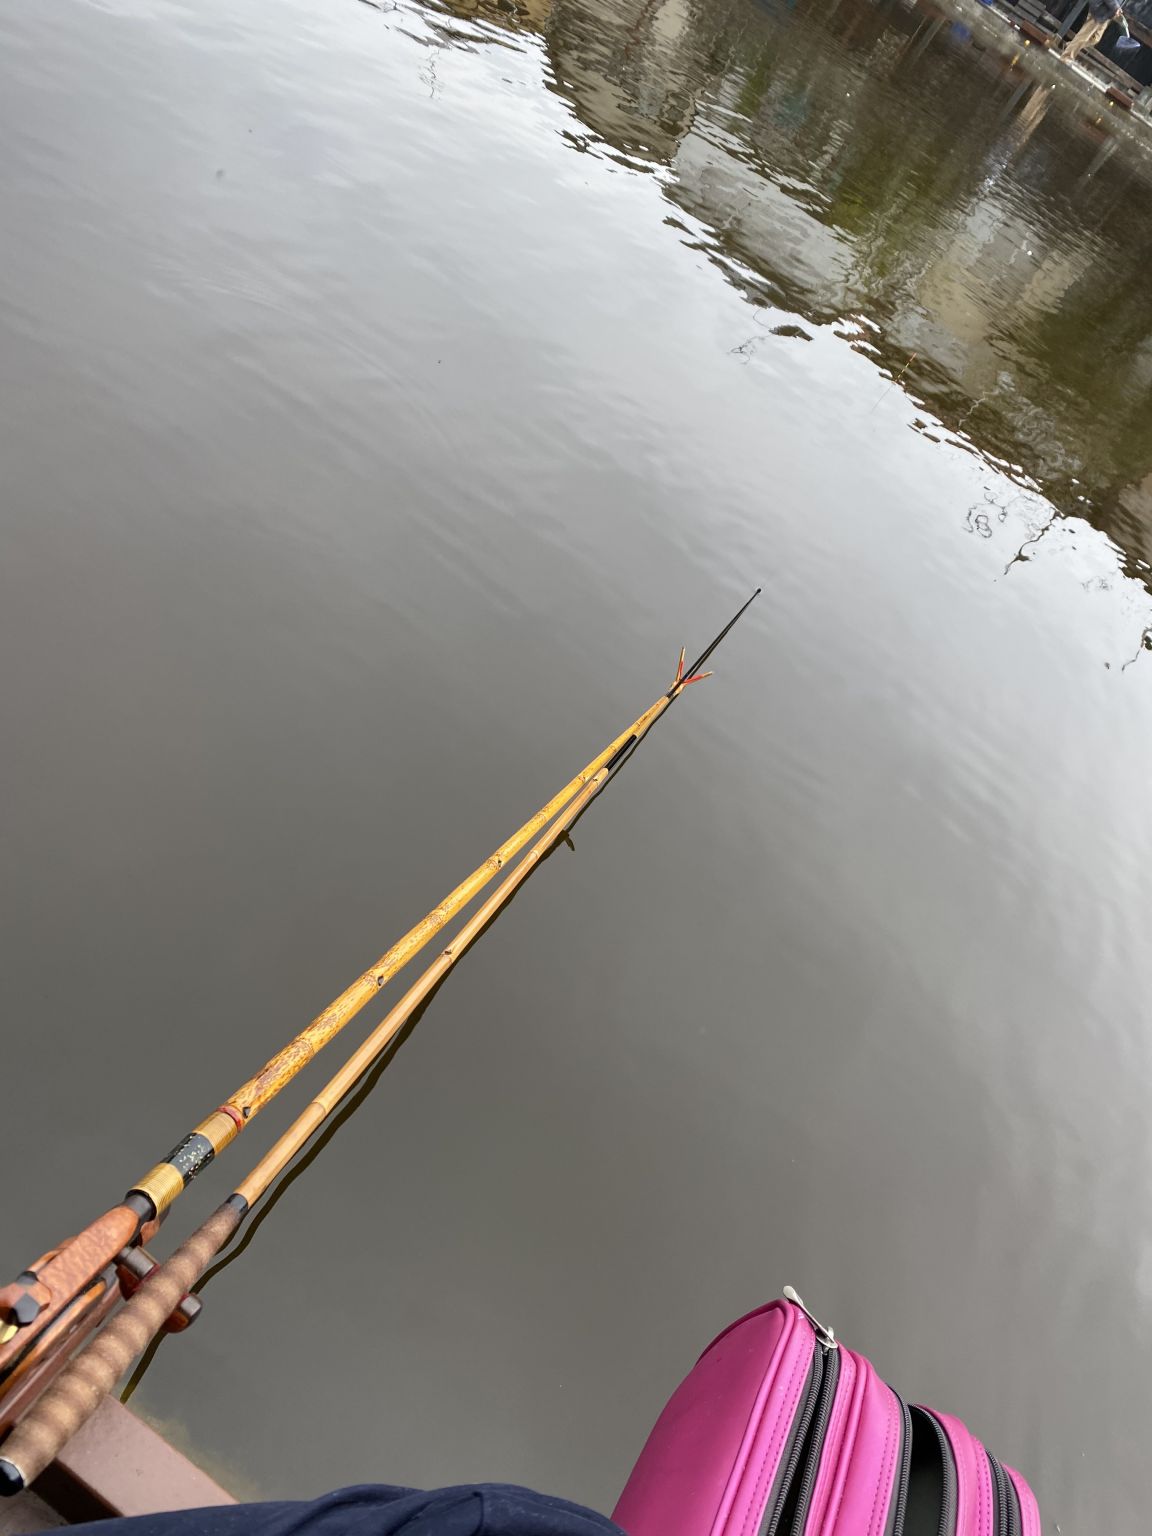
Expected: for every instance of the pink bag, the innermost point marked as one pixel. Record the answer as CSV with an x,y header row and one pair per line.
x,y
779,1430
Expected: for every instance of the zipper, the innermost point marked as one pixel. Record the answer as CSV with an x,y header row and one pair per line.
x,y
826,1336
1015,1518
895,1523
1007,1504
796,1442
819,1431
949,1503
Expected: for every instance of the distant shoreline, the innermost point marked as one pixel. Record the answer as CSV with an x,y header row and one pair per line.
x,y
993,28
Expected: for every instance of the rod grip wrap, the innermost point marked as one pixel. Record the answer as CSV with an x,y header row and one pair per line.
x,y
75,1395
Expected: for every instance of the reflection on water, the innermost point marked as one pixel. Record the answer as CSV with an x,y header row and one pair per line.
x,y
389,390
863,160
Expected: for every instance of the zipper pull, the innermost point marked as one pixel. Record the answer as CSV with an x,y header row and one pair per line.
x,y
826,1336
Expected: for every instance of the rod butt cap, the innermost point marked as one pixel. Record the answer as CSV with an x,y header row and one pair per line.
x,y
11,1479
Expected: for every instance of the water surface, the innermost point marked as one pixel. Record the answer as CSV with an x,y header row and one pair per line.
x,y
388,392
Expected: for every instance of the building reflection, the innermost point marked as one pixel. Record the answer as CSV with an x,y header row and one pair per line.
x,y
864,159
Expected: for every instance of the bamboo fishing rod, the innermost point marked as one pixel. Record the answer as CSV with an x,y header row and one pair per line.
x,y
48,1298
64,1406
55,1417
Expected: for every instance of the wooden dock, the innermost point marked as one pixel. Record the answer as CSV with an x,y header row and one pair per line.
x,y
115,1465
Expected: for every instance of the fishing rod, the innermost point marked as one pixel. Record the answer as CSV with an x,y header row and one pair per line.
x,y
163,1301
52,1297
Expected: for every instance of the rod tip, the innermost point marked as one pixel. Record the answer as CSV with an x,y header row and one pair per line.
x,y
11,1479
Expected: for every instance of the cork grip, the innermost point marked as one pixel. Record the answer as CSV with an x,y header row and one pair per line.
x,y
76,1394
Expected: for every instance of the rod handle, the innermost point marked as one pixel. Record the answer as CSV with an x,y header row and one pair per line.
x,y
79,1389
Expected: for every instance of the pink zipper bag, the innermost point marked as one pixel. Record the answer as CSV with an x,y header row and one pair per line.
x,y
779,1430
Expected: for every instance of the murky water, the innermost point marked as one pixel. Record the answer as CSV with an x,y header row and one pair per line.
x,y
387,394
